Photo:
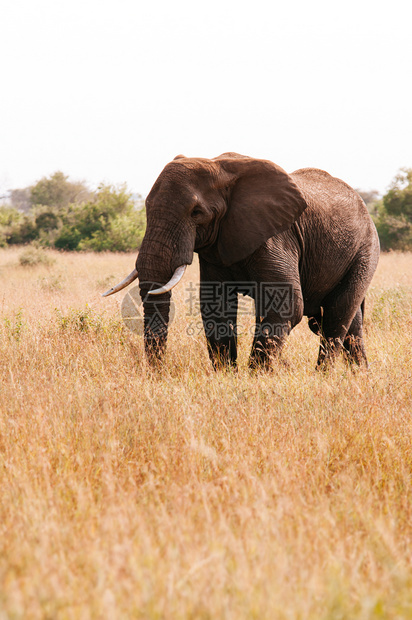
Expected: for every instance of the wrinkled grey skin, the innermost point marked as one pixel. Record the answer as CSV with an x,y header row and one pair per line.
x,y
250,221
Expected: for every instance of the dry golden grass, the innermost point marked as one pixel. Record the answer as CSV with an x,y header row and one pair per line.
x,y
127,493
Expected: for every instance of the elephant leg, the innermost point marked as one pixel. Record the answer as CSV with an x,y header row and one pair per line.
x,y
267,342
219,315
353,345
329,345
273,326
333,335
342,321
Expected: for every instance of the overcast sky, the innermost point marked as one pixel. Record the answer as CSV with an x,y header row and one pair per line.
x,y
111,90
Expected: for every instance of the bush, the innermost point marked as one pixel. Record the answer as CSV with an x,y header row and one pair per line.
x,y
109,222
394,214
35,256
395,233
15,227
122,234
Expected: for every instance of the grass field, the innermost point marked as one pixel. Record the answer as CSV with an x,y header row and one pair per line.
x,y
128,493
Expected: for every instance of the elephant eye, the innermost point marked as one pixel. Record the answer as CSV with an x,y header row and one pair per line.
x,y
196,211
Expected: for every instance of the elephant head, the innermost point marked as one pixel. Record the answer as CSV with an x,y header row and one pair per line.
x,y
223,208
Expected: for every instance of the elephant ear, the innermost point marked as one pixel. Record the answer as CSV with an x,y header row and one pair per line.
x,y
263,200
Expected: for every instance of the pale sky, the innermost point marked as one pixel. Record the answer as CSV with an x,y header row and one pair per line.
x,y
111,90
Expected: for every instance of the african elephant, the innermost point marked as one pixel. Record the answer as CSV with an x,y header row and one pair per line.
x,y
253,226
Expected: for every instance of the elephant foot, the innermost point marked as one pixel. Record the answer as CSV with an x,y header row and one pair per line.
x,y
354,352
328,350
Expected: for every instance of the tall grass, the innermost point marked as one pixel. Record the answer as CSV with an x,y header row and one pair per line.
x,y
129,493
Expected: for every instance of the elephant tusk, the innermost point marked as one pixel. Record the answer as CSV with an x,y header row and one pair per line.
x,y
176,277
130,278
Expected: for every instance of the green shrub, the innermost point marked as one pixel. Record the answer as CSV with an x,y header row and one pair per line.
x,y
395,233
109,222
16,227
15,325
88,321
394,214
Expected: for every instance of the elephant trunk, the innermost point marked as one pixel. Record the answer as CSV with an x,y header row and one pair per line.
x,y
156,323
164,249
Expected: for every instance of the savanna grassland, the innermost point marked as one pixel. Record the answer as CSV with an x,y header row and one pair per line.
x,y
130,493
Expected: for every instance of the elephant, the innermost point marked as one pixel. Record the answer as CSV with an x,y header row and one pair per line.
x,y
255,227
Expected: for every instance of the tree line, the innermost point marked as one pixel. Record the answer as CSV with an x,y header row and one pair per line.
x,y
58,213
392,214
66,215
